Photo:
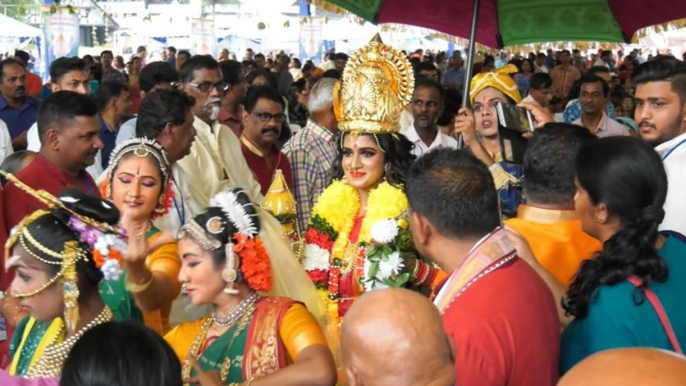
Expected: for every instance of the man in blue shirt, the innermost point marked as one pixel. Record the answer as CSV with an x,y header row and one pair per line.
x,y
17,110
454,77
114,108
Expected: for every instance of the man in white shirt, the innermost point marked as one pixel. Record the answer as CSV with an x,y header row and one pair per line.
x,y
5,141
154,76
661,117
427,107
593,98
605,59
540,90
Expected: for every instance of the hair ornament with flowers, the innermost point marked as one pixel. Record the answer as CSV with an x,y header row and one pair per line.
x,y
236,213
239,213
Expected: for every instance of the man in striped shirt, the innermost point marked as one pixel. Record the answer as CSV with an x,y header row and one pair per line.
x,y
312,151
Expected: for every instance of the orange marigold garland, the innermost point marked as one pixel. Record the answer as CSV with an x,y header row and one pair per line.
x,y
255,264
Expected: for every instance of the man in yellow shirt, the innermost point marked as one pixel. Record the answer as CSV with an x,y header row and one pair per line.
x,y
548,221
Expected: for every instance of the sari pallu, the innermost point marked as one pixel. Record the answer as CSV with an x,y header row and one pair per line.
x,y
255,351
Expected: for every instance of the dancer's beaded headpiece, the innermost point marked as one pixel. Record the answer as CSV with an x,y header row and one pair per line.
x,y
105,239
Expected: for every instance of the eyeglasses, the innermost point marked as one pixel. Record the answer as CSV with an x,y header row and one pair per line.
x,y
266,117
207,86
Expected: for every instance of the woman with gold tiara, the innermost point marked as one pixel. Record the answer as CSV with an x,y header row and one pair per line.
x,y
479,131
358,237
250,338
57,276
137,182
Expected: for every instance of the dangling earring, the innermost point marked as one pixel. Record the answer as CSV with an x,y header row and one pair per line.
x,y
386,171
162,201
229,274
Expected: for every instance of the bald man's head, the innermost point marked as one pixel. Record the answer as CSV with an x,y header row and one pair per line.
x,y
395,337
628,367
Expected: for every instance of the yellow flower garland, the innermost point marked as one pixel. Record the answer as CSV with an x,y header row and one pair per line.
x,y
339,206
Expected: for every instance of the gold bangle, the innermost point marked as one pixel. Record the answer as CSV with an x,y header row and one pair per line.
x,y
138,288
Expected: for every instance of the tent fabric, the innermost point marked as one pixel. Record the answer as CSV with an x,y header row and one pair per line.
x,y
513,22
14,28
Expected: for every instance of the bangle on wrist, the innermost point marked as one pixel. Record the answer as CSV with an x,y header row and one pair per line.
x,y
140,287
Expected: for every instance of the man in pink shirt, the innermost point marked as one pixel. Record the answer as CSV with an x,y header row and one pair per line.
x,y
593,99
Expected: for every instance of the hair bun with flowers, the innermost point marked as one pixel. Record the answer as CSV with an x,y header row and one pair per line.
x,y
231,221
106,239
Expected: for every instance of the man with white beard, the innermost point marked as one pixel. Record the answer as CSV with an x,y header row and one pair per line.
x,y
216,161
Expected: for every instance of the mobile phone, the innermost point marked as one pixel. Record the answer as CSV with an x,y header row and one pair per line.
x,y
513,122
513,117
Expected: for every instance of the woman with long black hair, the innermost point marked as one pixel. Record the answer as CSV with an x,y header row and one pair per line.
x,y
631,293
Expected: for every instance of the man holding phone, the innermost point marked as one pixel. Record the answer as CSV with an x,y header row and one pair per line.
x,y
487,90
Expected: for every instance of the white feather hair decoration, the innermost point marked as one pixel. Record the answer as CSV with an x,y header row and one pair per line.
x,y
235,211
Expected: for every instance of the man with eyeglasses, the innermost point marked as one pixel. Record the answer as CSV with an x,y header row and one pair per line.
x,y
263,117
216,161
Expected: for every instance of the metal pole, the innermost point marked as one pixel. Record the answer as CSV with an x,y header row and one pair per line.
x,y
470,62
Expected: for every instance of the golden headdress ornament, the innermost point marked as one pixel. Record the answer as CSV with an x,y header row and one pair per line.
x,y
377,84
499,79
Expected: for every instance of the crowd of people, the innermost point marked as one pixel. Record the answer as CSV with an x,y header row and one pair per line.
x,y
220,222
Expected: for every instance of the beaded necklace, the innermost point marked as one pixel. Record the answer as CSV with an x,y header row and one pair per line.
x,y
236,313
54,355
200,338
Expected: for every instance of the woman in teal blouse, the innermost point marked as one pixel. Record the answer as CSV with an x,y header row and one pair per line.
x,y
621,189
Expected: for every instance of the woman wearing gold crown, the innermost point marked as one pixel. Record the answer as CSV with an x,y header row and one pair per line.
x,y
480,132
358,237
57,276
137,181
250,338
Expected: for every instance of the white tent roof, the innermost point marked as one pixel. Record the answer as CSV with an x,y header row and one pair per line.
x,y
14,28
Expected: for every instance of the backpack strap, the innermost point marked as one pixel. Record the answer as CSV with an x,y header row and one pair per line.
x,y
652,298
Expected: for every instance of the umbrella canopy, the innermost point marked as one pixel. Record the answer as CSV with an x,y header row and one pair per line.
x,y
511,22
14,28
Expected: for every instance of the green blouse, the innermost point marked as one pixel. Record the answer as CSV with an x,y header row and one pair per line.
x,y
615,319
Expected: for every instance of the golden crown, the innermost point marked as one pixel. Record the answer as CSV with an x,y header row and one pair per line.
x,y
376,86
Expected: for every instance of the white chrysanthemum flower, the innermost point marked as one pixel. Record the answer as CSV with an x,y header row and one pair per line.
x,y
385,231
391,265
102,245
377,285
111,270
315,258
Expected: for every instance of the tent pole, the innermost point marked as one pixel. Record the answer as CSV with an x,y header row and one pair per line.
x,y
470,62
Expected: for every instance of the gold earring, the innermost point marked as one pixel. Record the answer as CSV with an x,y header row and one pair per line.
x,y
230,274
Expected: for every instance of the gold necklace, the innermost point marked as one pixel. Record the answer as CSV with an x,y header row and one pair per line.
x,y
200,338
54,354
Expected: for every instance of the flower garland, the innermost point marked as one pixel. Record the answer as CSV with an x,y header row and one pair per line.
x,y
255,264
328,237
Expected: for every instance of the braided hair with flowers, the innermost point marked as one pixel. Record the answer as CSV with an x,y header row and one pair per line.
x,y
229,227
